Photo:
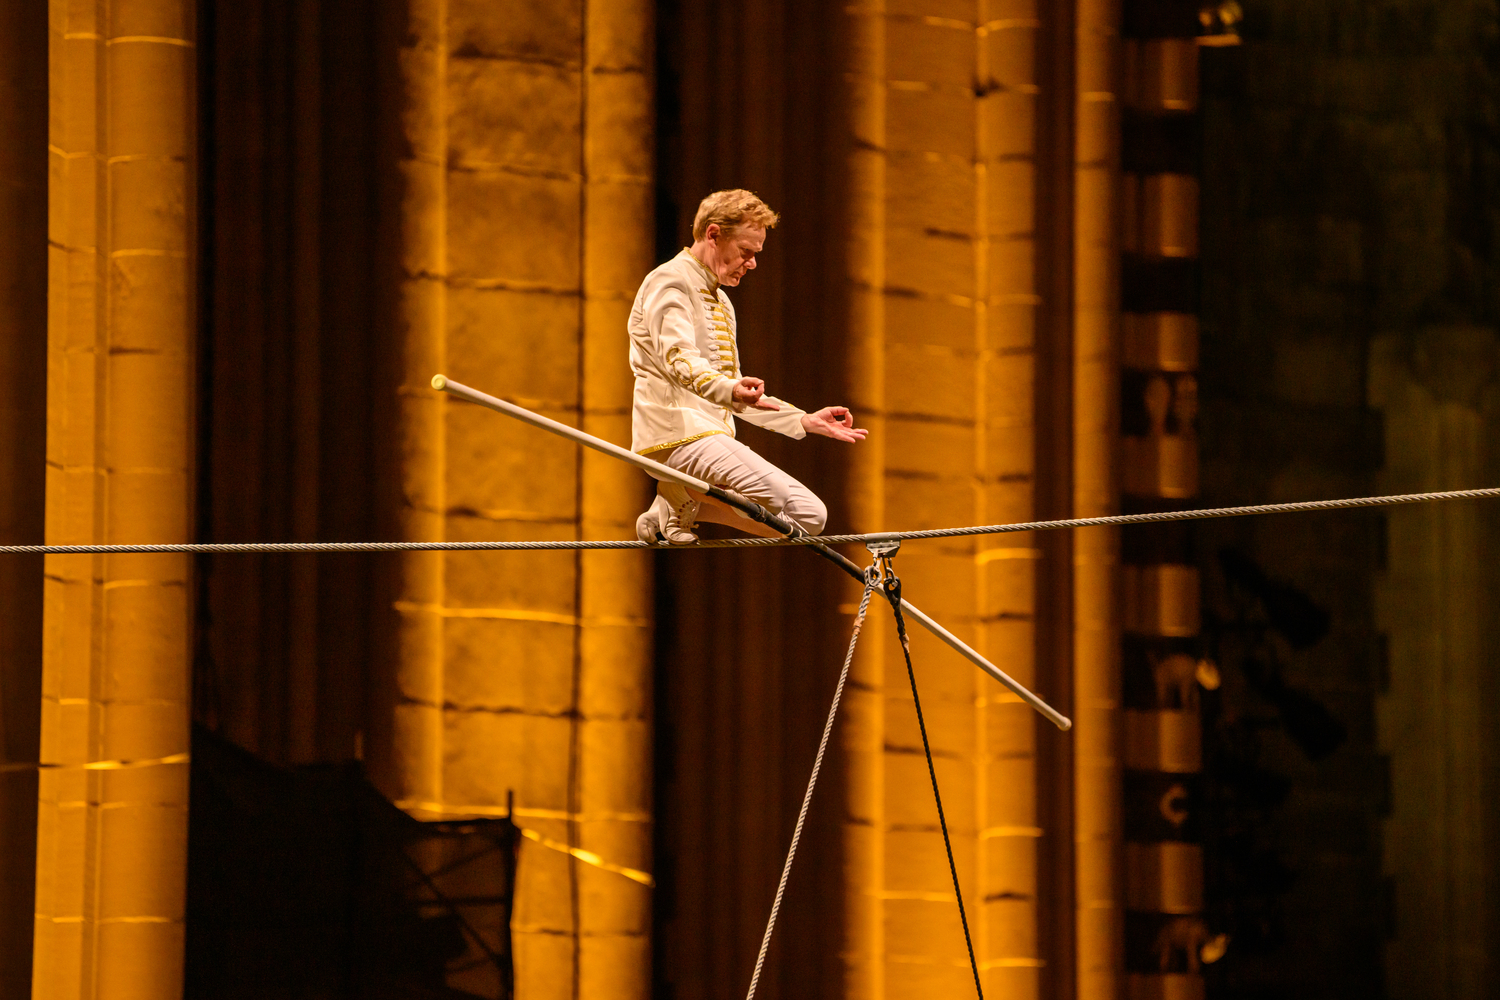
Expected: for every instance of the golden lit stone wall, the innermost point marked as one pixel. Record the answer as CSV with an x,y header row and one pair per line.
x,y
944,301
111,853
525,214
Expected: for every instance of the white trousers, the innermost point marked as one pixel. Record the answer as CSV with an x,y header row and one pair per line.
x,y
720,460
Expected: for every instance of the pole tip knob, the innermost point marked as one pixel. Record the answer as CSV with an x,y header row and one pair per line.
x,y
439,382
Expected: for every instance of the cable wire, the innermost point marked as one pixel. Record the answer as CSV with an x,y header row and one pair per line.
x,y
1155,517
833,711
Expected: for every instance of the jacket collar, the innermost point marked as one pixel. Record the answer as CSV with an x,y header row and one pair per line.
x,y
713,279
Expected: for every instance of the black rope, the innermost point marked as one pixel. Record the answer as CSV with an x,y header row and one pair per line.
x,y
893,594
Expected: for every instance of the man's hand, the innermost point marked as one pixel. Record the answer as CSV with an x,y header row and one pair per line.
x,y
835,422
747,392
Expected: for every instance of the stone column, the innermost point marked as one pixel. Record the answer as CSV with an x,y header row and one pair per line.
x,y
111,851
944,303
1165,934
525,222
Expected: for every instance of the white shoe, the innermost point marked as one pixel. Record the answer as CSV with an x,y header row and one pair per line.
x,y
668,520
682,514
648,525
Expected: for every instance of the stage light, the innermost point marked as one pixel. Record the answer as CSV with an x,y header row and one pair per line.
x,y
1219,24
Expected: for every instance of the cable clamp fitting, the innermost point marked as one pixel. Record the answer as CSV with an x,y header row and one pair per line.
x,y
883,548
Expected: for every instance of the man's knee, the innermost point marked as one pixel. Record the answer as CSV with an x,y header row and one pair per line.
x,y
804,507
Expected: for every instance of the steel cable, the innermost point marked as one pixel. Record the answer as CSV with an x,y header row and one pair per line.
x,y
230,548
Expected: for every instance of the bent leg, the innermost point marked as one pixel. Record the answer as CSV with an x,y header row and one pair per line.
x,y
718,512
723,461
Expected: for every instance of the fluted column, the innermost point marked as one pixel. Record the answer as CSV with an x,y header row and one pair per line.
x,y
1167,941
111,851
1007,293
612,703
523,166
1096,670
863,734
407,754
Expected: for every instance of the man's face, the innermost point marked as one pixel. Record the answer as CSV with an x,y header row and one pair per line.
x,y
736,252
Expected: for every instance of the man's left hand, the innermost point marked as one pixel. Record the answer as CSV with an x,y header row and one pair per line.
x,y
835,422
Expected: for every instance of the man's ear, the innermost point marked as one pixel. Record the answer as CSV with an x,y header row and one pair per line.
x,y
712,232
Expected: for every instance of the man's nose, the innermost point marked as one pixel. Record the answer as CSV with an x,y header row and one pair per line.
x,y
750,263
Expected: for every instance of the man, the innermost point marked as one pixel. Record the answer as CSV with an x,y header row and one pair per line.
x,y
689,388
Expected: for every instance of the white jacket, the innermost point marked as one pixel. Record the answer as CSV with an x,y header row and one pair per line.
x,y
686,360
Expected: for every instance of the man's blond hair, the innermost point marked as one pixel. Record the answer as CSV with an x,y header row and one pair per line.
x,y
730,210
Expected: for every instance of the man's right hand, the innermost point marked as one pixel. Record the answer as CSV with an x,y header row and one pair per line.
x,y
748,391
